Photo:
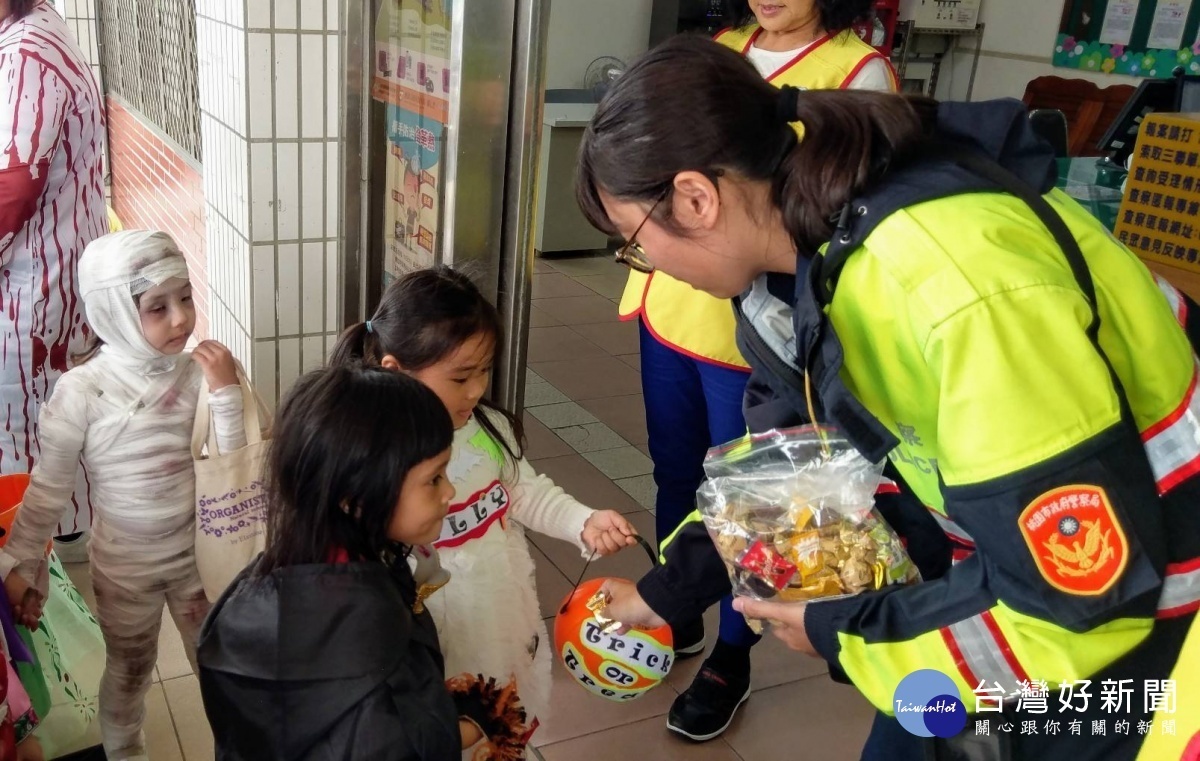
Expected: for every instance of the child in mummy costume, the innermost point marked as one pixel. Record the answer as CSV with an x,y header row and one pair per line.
x,y
127,408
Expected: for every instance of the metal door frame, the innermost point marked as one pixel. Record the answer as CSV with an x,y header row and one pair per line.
x,y
492,156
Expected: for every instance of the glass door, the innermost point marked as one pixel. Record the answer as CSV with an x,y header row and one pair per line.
x,y
443,122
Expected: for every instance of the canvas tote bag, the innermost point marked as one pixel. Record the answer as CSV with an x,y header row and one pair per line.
x,y
231,512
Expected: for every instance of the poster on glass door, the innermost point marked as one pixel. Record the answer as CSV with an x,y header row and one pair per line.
x,y
412,78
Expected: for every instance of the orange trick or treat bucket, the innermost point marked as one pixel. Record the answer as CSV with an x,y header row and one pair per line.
x,y
619,667
12,491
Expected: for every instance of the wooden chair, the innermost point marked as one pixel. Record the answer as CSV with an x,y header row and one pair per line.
x,y
1088,109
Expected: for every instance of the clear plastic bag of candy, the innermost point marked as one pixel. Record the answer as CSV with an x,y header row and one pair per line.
x,y
792,514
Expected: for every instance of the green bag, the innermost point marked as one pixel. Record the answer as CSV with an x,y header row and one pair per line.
x,y
69,650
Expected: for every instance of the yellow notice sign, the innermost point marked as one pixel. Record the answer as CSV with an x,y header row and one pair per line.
x,y
1159,214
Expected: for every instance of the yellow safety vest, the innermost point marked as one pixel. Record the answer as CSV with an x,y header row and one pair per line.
x,y
693,322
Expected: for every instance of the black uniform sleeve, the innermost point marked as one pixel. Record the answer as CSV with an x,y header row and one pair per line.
x,y
690,578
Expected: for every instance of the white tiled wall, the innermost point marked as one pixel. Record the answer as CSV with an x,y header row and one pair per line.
x,y
221,54
270,105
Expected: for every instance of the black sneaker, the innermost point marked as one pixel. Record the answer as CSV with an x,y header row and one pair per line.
x,y
705,710
689,639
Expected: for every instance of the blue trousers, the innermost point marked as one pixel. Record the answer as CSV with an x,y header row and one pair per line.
x,y
691,405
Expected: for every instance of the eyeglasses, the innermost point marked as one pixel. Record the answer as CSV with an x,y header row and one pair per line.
x,y
632,255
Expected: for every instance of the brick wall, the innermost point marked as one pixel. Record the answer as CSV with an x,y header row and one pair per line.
x,y
155,187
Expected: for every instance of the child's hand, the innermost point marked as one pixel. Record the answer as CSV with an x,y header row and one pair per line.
x,y
217,363
25,600
607,532
471,734
30,749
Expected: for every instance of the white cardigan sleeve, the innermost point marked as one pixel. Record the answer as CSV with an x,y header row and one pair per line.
x,y
62,427
538,503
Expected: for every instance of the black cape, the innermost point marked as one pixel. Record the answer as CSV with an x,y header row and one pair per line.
x,y
325,662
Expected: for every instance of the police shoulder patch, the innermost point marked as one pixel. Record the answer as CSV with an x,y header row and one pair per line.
x,y
1077,542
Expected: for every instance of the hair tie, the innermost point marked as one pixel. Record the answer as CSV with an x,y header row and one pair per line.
x,y
370,328
787,107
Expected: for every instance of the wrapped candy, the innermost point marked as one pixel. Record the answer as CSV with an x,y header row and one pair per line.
x,y
792,514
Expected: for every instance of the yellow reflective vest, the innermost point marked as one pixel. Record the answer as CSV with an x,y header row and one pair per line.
x,y
693,322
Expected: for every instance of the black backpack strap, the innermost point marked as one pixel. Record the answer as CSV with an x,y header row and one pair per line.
x,y
993,173
1005,180
830,266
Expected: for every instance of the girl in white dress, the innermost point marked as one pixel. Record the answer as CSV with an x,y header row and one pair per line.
x,y
436,326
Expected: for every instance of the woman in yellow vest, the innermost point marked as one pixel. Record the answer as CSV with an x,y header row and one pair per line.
x,y
693,376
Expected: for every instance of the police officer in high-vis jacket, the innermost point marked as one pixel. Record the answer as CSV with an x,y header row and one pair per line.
x,y
1031,383
693,374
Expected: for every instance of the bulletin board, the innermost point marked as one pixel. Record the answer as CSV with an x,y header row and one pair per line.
x,y
1140,38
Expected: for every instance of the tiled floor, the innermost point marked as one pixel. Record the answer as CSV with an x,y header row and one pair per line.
x,y
176,729
586,429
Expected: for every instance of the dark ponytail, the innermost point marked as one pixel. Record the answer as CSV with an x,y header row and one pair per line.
x,y
355,344
423,318
691,104
19,9
852,137
836,15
